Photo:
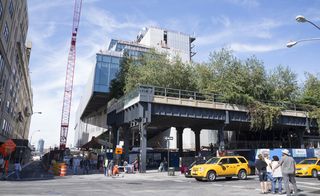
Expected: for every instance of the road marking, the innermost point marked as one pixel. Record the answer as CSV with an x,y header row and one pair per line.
x,y
309,183
235,186
310,187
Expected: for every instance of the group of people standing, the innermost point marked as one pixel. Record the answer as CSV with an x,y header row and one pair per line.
x,y
275,171
4,167
111,168
77,163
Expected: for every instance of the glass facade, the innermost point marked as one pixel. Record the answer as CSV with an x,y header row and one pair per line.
x,y
108,64
106,68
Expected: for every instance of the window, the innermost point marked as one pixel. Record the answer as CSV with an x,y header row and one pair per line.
x,y
1,8
165,37
11,90
233,161
4,124
242,160
11,8
8,107
1,61
224,161
6,32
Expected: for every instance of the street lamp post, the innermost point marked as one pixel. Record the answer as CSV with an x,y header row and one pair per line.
x,y
25,124
302,19
168,159
32,135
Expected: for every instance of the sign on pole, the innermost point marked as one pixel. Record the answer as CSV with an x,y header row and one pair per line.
x,y
119,151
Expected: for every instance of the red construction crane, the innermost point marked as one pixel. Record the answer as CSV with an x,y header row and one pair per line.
x,y
66,107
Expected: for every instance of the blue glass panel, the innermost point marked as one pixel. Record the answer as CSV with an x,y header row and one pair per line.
x,y
104,76
99,57
115,60
97,73
106,58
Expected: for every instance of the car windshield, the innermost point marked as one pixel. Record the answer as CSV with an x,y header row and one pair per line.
x,y
308,161
213,160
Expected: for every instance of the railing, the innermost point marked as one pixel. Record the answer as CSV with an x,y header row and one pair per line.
x,y
151,91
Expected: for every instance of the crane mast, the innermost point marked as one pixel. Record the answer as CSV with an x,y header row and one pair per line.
x,y
67,97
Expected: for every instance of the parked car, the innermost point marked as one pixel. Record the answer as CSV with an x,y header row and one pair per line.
x,y
318,175
308,167
226,166
187,174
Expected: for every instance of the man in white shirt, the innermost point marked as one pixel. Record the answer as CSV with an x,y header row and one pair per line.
x,y
269,170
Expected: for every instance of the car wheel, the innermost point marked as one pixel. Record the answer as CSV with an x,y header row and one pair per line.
x,y
242,175
314,173
211,176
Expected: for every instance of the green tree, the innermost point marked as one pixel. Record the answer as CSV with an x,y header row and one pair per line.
x,y
311,90
284,84
117,85
156,69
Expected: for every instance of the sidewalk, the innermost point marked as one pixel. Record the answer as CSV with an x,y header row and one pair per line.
x,y
31,171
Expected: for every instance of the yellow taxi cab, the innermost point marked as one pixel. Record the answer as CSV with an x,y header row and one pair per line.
x,y
226,166
308,167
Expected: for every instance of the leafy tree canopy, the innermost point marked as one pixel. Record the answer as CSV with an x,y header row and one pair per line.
x,y
238,81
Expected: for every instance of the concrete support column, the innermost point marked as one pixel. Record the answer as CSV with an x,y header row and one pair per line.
x,y
300,134
143,147
221,137
180,140
115,138
126,132
197,139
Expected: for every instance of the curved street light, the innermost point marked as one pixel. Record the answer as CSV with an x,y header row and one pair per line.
x,y
302,19
32,135
25,124
292,43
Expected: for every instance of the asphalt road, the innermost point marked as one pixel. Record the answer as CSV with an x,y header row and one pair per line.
x,y
155,184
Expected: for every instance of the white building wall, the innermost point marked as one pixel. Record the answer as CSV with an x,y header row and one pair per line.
x,y
177,44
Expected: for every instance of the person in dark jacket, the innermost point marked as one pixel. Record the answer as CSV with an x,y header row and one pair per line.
x,y
261,168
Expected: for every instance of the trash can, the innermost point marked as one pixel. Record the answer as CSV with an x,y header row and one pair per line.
x,y
171,171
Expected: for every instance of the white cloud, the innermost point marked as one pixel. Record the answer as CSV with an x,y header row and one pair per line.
x,y
51,34
221,20
230,32
245,3
255,48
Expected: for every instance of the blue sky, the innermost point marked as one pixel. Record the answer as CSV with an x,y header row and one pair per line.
x,y
248,27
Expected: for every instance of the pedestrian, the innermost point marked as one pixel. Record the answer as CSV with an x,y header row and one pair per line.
x,y
269,170
276,175
136,165
160,169
17,169
110,168
86,166
288,168
1,165
106,162
261,167
70,163
165,164
76,164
